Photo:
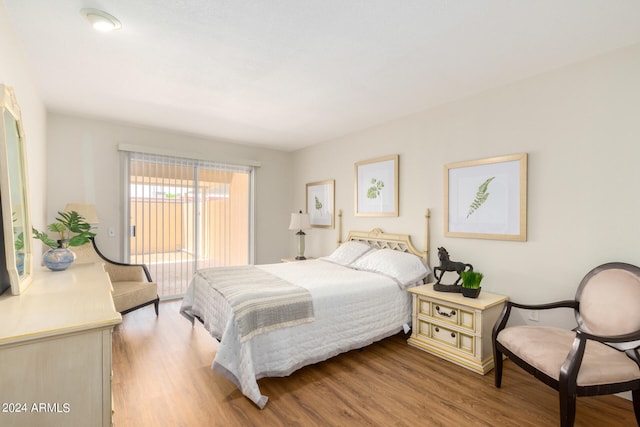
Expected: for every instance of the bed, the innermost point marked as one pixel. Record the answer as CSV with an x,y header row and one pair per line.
x,y
357,296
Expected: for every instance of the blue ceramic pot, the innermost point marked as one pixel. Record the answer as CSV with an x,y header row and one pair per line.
x,y
58,259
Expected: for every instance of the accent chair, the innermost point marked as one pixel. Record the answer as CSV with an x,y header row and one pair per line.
x,y
600,356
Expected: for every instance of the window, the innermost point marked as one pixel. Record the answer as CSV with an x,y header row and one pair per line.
x,y
185,215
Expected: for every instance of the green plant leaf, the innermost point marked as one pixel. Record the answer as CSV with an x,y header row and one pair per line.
x,y
481,196
67,222
375,189
73,221
78,240
57,227
45,238
471,279
19,242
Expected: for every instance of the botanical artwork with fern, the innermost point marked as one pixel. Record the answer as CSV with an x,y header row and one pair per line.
x,y
376,188
481,196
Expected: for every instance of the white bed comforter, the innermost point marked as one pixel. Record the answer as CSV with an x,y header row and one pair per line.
x,y
352,309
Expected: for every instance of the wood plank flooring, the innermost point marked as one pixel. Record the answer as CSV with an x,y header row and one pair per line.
x,y
163,377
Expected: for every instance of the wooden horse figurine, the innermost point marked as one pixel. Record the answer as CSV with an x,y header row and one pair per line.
x,y
447,265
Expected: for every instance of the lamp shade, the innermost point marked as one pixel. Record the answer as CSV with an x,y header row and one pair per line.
x,y
299,221
87,211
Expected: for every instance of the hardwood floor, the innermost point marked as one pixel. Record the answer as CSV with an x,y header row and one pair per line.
x,y
163,377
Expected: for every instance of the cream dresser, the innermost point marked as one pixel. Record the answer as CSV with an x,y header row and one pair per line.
x,y
454,327
55,350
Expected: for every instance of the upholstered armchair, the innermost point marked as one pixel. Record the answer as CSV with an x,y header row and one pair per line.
x,y
132,284
600,356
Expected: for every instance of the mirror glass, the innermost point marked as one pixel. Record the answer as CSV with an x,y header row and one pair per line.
x,y
16,220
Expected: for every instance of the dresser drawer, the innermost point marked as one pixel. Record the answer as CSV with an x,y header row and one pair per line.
x,y
446,336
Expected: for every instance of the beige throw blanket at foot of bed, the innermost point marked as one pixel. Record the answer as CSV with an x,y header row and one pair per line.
x,y
261,302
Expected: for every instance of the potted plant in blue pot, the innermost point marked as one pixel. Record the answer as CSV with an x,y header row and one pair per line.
x,y
471,283
72,230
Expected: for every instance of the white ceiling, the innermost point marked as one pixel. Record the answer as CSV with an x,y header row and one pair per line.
x,y
290,73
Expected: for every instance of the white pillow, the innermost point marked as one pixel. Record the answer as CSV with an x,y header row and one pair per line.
x,y
405,268
348,252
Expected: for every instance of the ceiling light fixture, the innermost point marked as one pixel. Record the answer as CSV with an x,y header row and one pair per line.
x,y
100,20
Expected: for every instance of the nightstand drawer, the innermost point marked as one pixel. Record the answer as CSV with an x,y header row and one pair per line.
x,y
446,313
454,315
447,336
449,313
444,335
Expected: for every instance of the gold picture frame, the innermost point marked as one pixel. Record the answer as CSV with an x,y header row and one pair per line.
x,y
320,203
487,198
376,187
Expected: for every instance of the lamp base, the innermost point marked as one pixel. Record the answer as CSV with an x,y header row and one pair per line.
x,y
300,258
300,235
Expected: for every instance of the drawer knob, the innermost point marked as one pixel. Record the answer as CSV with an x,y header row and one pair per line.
x,y
453,334
442,313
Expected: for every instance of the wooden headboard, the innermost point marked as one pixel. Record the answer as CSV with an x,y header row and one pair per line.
x,y
382,240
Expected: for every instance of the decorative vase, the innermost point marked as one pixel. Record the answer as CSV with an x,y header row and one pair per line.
x,y
471,292
58,259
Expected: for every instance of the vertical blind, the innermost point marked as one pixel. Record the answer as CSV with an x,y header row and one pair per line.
x,y
185,214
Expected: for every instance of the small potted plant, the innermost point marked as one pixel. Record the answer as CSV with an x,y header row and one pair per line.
x,y
471,283
72,230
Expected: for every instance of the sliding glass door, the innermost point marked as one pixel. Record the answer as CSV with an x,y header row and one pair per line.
x,y
185,215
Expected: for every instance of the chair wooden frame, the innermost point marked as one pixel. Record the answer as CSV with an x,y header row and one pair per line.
x,y
155,302
567,385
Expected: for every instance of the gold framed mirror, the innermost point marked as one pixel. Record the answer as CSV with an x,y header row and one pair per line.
x,y
16,218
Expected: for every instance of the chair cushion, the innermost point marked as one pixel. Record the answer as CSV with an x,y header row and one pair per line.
x,y
546,349
131,294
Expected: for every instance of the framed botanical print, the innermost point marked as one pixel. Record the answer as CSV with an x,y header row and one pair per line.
x,y
487,198
376,183
320,201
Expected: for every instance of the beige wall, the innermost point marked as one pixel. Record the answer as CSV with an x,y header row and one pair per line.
x,y
579,125
84,166
581,129
224,237
15,72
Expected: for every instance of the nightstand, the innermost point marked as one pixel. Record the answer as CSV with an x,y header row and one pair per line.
x,y
295,260
454,327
